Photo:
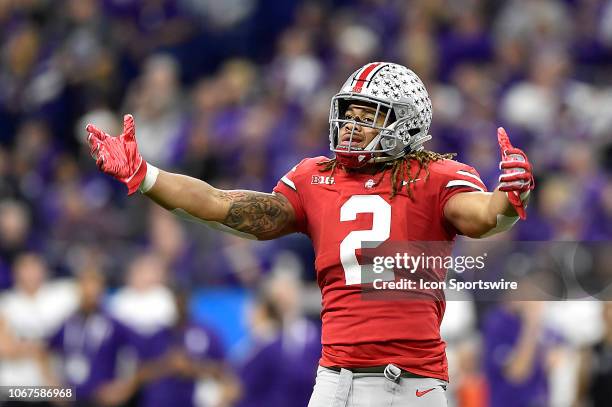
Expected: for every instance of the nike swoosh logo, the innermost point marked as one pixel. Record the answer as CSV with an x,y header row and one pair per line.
x,y
414,180
424,392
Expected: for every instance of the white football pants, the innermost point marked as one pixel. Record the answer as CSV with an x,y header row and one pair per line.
x,y
348,389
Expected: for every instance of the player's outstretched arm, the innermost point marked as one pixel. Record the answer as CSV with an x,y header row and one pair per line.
x,y
253,214
249,214
482,214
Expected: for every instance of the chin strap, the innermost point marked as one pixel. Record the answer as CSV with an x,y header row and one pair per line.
x,y
386,158
416,145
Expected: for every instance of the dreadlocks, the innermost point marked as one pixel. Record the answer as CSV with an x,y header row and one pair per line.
x,y
400,168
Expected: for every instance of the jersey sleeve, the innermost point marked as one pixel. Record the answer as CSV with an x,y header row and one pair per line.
x,y
290,187
457,178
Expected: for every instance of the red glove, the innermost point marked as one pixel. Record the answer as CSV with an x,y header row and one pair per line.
x,y
517,176
118,156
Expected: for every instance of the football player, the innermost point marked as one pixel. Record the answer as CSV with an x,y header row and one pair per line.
x,y
381,185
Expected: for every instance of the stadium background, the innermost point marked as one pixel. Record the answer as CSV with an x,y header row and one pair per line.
x,y
236,93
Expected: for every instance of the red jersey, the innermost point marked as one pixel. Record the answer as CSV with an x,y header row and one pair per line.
x,y
340,212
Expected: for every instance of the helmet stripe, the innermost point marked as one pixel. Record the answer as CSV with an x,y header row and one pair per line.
x,y
363,76
373,74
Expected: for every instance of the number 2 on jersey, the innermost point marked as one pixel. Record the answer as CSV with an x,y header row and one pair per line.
x,y
381,229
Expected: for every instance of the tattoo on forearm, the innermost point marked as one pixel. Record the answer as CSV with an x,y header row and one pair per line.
x,y
256,213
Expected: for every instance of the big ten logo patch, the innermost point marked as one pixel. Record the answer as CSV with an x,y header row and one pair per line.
x,y
322,180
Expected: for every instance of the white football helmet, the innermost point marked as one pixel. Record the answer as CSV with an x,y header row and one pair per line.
x,y
393,90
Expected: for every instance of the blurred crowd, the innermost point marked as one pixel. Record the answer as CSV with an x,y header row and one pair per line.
x,y
142,346
236,92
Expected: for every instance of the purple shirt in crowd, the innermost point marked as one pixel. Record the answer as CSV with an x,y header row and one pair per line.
x,y
198,341
501,333
281,372
89,346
